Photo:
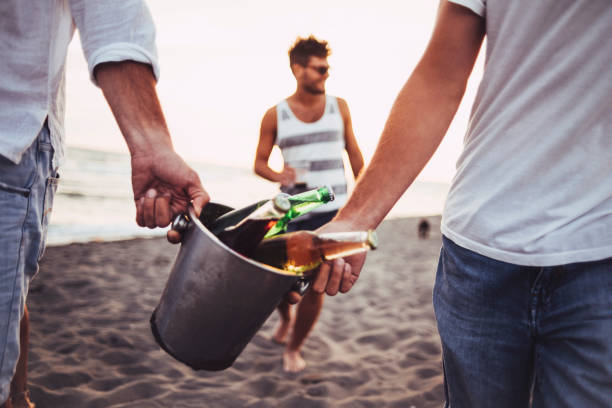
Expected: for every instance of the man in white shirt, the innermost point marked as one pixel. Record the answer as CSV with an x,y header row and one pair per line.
x,y
118,41
523,294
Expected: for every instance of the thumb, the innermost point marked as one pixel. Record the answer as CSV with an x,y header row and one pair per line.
x,y
199,197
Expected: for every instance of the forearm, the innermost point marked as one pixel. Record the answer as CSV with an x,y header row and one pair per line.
x,y
416,125
263,170
129,88
356,161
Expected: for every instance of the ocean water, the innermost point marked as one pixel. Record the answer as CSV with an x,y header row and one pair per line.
x,y
94,199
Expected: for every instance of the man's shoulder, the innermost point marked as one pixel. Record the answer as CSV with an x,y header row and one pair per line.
x,y
342,106
270,116
341,101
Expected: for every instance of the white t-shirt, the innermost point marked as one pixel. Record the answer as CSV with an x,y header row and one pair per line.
x,y
534,181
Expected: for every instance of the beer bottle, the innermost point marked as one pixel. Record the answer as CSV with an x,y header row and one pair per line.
x,y
300,205
301,251
248,233
234,217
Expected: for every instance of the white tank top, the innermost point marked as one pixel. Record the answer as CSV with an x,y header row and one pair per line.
x,y
314,150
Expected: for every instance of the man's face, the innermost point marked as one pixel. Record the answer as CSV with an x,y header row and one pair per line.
x,y
312,77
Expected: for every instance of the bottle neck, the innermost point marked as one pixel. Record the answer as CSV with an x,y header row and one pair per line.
x,y
271,210
335,245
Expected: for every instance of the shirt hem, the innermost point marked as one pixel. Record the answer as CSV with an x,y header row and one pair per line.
x,y
535,259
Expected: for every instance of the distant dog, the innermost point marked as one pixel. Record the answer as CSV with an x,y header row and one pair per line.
x,y
424,229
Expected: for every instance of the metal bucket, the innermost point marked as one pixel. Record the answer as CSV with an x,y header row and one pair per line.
x,y
215,299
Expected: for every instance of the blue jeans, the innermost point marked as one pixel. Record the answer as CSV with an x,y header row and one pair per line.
x,y
26,197
513,333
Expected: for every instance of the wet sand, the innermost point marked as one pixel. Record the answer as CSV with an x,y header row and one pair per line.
x,y
91,345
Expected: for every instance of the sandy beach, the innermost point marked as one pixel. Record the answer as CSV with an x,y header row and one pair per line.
x,y
91,344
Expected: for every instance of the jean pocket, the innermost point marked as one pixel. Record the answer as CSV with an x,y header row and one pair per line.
x,y
50,190
14,189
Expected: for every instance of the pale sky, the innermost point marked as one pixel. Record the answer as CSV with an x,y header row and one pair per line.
x,y
223,64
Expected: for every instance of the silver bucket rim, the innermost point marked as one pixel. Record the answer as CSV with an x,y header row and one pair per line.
x,y
196,221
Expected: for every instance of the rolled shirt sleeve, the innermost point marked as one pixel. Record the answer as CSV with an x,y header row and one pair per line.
x,y
477,6
115,30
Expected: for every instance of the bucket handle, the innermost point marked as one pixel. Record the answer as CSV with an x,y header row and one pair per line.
x,y
180,223
301,285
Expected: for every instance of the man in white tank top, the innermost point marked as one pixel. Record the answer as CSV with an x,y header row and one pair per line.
x,y
523,293
312,130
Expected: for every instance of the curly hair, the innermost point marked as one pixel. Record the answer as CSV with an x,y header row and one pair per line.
x,y
304,48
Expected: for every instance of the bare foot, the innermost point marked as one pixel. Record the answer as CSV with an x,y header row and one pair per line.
x,y
293,361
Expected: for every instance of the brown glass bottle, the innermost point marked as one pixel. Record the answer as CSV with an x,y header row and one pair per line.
x,y
301,251
248,233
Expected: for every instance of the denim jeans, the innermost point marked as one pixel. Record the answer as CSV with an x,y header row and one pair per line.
x,y
514,335
26,199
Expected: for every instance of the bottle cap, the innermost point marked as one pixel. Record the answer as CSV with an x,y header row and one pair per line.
x,y
327,193
281,202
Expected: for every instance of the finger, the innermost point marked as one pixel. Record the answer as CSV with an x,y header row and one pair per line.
x,y
163,214
149,208
335,277
173,236
198,196
293,298
348,278
320,281
356,263
140,212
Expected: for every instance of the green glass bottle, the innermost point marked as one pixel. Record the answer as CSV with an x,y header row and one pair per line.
x,y
248,233
301,204
301,251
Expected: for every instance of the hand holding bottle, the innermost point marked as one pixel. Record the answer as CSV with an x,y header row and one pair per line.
x,y
340,274
287,176
301,252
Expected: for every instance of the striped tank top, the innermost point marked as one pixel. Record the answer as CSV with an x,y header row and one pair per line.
x,y
314,150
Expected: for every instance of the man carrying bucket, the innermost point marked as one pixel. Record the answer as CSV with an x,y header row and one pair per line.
x,y
523,293
118,41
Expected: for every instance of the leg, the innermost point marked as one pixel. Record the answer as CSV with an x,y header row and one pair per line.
x,y
26,196
13,249
20,396
481,308
286,321
311,304
308,312
574,346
